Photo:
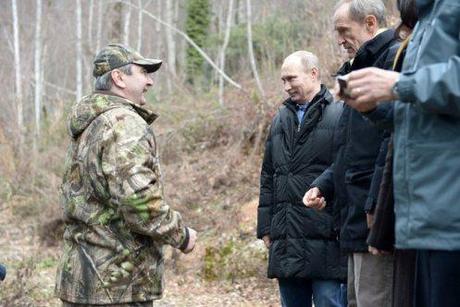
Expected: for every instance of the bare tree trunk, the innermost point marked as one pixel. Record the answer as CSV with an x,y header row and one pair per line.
x,y
180,44
139,26
116,26
18,74
159,44
158,29
79,81
261,119
218,23
251,50
88,48
194,45
99,25
220,19
170,42
170,38
90,22
237,12
228,26
38,68
127,24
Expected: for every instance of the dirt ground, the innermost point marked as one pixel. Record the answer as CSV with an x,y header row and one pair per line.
x,y
32,265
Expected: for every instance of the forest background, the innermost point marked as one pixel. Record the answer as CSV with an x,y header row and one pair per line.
x,y
216,94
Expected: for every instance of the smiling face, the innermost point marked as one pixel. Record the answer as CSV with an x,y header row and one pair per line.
x,y
299,82
132,86
351,35
137,84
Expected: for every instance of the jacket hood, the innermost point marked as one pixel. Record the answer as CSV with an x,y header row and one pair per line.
x,y
90,107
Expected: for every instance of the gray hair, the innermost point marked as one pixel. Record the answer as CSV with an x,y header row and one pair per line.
x,y
359,9
308,60
105,82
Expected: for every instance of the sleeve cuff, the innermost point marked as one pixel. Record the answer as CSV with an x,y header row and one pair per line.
x,y
184,244
406,88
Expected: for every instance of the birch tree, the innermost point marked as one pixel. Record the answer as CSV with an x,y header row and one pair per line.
x,y
99,25
126,24
170,38
140,20
158,29
18,73
90,22
79,81
170,44
251,49
228,26
38,73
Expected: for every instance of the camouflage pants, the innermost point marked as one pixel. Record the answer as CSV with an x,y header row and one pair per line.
x,y
138,304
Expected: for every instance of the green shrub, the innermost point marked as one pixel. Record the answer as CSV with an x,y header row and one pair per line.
x,y
234,259
196,27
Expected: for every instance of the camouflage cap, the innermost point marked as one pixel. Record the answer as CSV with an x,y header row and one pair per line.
x,y
116,55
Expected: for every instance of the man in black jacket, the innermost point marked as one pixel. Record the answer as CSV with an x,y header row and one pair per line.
x,y
349,180
303,249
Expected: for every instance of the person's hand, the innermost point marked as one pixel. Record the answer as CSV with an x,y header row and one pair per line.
x,y
336,92
377,252
191,241
267,241
369,86
370,220
314,199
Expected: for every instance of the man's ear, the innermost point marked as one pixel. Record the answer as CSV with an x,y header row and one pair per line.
x,y
117,78
315,73
371,24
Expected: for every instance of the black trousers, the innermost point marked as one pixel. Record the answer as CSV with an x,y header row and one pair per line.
x,y
437,279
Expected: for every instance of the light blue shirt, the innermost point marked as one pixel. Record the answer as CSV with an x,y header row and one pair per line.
x,y
301,109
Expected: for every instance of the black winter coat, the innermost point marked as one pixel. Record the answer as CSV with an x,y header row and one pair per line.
x,y
304,241
349,179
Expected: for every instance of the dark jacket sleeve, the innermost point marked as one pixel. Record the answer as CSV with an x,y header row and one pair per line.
x,y
264,211
382,233
434,87
325,183
382,116
377,177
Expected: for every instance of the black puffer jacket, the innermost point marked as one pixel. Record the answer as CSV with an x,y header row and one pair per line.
x,y
349,179
304,241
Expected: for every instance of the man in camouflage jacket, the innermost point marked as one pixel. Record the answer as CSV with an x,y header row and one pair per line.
x,y
117,220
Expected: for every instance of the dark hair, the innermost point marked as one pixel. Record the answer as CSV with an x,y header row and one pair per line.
x,y
408,12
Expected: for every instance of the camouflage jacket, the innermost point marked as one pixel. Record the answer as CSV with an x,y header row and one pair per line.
x,y
117,221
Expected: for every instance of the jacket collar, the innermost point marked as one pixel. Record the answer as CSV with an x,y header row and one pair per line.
x,y
323,94
424,6
148,115
374,45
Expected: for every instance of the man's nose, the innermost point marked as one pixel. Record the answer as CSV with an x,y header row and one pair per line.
x,y
340,40
149,80
287,86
